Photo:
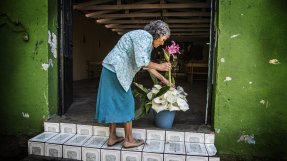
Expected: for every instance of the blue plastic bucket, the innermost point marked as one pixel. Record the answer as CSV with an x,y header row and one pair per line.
x,y
164,119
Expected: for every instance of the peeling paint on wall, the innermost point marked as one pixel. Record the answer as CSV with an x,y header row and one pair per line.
x,y
266,103
25,115
227,79
52,41
233,36
250,139
46,66
274,61
217,130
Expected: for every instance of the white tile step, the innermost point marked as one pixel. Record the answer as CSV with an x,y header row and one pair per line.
x,y
89,143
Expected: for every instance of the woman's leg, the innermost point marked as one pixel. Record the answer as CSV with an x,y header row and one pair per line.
x,y
129,140
113,138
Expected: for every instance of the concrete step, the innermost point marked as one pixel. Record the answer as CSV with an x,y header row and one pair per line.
x,y
89,143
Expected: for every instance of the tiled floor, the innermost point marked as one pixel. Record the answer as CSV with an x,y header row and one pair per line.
x,y
90,144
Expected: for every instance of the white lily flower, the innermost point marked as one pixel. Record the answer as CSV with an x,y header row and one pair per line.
x,y
171,107
170,98
179,88
184,108
157,86
182,104
149,95
159,100
158,107
154,90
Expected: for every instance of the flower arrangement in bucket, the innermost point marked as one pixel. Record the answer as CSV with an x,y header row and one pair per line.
x,y
164,100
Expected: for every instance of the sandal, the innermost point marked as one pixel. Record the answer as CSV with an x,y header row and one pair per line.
x,y
118,140
138,142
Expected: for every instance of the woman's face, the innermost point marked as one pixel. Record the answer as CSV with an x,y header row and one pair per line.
x,y
160,41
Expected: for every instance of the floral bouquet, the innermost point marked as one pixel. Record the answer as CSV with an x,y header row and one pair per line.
x,y
161,97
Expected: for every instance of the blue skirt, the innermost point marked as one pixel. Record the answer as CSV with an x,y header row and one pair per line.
x,y
114,104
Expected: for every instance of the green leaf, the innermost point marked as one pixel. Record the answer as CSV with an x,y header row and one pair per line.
x,y
141,87
162,91
166,55
154,79
147,107
139,113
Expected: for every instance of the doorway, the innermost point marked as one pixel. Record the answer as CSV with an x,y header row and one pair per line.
x,y
98,25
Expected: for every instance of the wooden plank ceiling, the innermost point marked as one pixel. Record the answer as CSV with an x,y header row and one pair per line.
x,y
186,18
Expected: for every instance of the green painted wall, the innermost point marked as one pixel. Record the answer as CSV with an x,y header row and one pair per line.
x,y
251,108
24,82
53,55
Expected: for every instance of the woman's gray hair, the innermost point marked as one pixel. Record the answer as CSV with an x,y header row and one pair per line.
x,y
157,29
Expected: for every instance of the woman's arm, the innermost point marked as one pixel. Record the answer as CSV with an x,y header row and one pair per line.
x,y
160,67
158,75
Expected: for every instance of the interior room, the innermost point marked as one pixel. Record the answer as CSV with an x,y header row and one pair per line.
x,y
98,25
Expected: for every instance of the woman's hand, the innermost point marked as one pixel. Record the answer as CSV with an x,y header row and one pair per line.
x,y
164,67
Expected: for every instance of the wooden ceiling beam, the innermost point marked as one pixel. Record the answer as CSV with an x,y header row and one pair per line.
x,y
167,14
130,15
146,6
108,21
95,14
171,26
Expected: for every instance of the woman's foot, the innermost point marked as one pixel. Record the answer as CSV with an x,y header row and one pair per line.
x,y
114,140
132,144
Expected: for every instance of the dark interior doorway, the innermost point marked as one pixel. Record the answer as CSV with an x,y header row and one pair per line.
x,y
189,26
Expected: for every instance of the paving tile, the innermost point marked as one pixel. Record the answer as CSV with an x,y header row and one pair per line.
x,y
77,140
131,156
196,158
36,148
138,148
139,134
96,142
43,137
51,127
194,137
152,157
110,155
196,149
91,154
171,157
209,138
174,136
154,146
120,132
101,131
72,152
155,135
54,150
60,138
68,128
85,129
211,149
174,148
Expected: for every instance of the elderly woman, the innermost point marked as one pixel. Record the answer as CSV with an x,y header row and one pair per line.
x,y
115,101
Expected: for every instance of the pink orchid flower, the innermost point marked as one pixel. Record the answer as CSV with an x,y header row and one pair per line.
x,y
173,49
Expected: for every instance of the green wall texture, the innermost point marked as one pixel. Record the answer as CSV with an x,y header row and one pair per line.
x,y
53,55
250,94
24,60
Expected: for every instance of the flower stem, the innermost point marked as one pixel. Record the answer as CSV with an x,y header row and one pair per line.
x,y
169,77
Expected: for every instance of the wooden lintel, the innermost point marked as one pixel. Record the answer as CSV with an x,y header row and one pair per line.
x,y
146,6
